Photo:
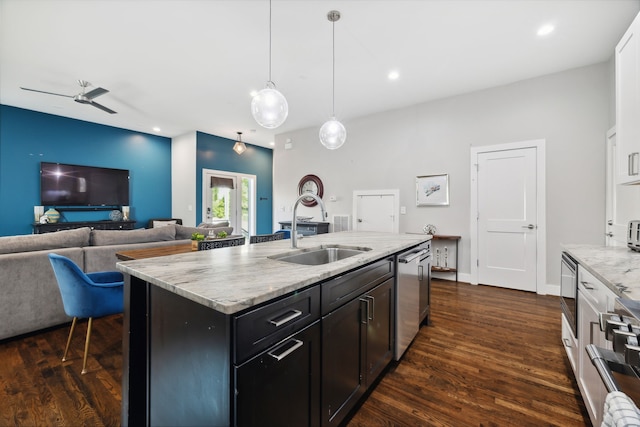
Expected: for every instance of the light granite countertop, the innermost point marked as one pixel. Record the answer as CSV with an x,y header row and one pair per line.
x,y
232,279
614,266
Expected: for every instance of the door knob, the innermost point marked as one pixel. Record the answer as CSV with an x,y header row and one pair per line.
x,y
609,234
530,226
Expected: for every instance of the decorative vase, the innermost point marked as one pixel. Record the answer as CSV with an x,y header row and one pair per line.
x,y
194,245
53,215
115,215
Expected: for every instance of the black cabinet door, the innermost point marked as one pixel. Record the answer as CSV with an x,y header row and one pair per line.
x,y
342,361
380,330
281,386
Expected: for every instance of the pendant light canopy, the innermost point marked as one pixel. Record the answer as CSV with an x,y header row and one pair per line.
x,y
269,107
239,146
333,133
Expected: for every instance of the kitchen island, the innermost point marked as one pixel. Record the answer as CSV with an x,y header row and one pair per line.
x,y
233,337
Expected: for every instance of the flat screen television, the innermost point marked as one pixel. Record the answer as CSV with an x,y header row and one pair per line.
x,y
74,185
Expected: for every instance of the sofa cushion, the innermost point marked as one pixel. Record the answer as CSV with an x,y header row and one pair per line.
x,y
143,235
40,242
103,258
30,296
184,232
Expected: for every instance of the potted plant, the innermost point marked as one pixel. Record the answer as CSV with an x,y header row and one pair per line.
x,y
195,238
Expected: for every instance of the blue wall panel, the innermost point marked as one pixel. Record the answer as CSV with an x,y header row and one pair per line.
x,y
214,152
28,137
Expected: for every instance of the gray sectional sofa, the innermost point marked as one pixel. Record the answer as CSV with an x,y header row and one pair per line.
x,y
30,299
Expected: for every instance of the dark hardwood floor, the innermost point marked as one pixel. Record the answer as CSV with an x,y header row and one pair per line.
x,y
491,357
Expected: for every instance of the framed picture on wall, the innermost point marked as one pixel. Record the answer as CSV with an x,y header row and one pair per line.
x,y
432,190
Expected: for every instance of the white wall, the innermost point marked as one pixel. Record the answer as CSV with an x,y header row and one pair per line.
x,y
570,110
183,180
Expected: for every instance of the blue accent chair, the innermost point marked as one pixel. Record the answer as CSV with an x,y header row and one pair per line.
x,y
86,295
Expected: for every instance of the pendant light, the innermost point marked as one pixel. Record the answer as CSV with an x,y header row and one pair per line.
x,y
332,133
269,107
239,146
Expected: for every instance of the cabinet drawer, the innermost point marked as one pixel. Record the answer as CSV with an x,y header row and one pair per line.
x,y
598,294
266,325
570,344
343,289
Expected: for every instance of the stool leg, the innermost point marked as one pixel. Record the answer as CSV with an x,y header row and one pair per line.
x,y
86,347
66,349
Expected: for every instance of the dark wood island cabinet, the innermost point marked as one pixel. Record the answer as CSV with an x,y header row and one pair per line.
x,y
304,358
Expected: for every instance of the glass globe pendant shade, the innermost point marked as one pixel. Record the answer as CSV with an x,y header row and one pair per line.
x,y
269,107
333,134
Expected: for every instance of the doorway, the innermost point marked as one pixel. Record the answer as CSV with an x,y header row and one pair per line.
x,y
228,196
623,201
376,210
508,245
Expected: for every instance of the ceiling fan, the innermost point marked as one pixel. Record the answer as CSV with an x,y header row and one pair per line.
x,y
82,97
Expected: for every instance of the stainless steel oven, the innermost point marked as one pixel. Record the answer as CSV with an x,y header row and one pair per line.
x,y
619,368
568,291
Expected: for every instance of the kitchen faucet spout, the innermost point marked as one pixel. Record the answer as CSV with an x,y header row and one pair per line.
x,y
294,226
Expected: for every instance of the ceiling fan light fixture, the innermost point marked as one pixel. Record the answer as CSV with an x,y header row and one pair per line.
x,y
239,147
269,107
333,133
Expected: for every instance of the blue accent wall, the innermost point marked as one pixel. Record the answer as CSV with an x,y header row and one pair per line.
x,y
28,137
214,152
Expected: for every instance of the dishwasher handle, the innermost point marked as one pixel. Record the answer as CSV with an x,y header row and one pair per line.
x,y
407,258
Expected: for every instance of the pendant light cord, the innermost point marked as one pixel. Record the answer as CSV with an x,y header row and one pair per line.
x,y
270,41
333,50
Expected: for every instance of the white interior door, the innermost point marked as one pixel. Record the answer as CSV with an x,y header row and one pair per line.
x,y
376,211
507,218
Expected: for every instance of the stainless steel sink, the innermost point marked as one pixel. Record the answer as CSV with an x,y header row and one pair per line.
x,y
320,255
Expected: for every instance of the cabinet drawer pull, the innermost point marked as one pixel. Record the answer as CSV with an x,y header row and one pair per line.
x,y
372,314
288,351
587,285
285,318
365,313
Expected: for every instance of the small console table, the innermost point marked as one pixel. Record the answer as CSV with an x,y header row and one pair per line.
x,y
440,269
306,228
94,225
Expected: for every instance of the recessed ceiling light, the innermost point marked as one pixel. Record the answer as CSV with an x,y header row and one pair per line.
x,y
546,30
156,129
393,75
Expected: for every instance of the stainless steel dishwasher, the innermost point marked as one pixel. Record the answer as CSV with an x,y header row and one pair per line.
x,y
408,298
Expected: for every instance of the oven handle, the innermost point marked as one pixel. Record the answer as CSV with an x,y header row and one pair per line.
x,y
601,366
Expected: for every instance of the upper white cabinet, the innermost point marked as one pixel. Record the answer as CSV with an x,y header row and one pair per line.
x,y
628,105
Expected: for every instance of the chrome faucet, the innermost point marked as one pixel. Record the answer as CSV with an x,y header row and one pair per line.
x,y
294,226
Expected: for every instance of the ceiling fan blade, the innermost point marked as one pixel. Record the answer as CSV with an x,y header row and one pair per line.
x,y
95,93
48,93
102,107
